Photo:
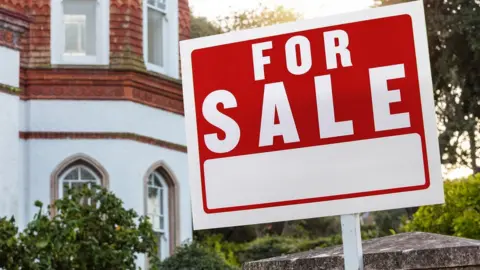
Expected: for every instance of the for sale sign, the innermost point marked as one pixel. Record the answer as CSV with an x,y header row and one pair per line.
x,y
320,117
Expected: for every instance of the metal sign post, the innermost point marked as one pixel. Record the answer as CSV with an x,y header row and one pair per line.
x,y
352,242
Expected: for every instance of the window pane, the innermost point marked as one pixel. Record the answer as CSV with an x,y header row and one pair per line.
x,y
151,2
161,4
153,206
152,193
156,208
156,179
80,27
161,202
86,175
77,185
162,223
150,179
160,244
75,34
156,224
73,175
155,37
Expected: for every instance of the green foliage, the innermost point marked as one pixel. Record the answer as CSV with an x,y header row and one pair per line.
x,y
388,222
272,246
239,20
226,250
276,239
454,45
100,235
291,237
201,27
257,17
240,234
322,227
8,242
195,256
459,216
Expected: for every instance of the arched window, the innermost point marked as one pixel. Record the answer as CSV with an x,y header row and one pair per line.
x,y
76,177
157,210
75,172
161,206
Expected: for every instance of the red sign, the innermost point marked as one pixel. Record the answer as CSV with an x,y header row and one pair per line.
x,y
355,82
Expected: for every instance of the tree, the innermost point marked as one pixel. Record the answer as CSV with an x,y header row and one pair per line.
x,y
257,17
96,235
459,216
239,20
454,44
201,27
386,221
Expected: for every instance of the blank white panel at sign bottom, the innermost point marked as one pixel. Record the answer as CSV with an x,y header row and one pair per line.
x,y
313,172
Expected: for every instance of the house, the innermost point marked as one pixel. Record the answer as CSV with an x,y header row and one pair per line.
x,y
90,91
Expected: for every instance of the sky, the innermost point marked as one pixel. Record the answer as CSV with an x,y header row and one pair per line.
x,y
309,8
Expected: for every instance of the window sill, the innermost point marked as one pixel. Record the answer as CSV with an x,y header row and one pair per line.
x,y
79,61
79,66
158,70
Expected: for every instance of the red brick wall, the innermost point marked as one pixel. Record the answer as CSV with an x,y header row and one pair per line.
x,y
184,24
126,53
13,25
102,136
13,5
126,34
184,19
104,84
36,43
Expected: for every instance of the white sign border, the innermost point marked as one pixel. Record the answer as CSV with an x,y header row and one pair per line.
x,y
433,195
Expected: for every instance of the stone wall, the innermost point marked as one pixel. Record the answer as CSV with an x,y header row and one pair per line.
x,y
398,252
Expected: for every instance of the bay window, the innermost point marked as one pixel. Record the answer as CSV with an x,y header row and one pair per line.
x,y
80,32
160,36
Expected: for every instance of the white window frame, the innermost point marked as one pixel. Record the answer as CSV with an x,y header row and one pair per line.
x,y
170,45
62,179
57,36
165,244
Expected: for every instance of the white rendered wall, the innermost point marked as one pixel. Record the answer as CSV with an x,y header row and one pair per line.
x,y
10,67
104,116
126,163
10,160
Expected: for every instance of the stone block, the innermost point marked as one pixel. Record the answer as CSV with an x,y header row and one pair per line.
x,y
405,251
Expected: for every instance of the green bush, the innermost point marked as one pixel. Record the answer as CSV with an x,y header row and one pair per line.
x,y
80,236
8,242
459,216
195,256
273,246
227,250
